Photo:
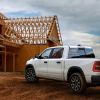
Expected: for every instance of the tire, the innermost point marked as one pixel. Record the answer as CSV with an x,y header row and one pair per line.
x,y
30,75
77,83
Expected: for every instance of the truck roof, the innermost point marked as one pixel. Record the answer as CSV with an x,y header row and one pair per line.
x,y
80,47
71,46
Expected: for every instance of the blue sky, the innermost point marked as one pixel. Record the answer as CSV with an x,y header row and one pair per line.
x,y
79,19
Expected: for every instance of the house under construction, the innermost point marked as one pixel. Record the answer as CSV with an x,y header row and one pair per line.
x,y
23,38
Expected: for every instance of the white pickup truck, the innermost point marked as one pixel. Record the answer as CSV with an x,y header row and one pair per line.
x,y
76,65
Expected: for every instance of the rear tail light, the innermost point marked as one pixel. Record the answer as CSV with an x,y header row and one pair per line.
x,y
96,66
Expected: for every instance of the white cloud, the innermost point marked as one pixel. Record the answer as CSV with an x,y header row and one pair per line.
x,y
76,15
8,6
77,18
83,38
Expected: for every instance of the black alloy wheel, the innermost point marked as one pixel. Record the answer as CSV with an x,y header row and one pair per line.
x,y
77,83
30,75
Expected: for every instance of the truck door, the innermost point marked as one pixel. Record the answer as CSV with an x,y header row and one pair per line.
x,y
56,64
41,63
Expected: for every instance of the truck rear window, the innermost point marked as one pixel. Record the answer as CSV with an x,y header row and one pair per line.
x,y
81,53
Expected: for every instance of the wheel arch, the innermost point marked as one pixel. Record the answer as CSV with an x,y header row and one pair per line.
x,y
29,66
74,69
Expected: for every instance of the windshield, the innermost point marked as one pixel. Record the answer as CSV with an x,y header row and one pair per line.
x,y
81,53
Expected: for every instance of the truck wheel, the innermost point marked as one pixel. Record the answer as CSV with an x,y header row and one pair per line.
x,y
30,74
77,83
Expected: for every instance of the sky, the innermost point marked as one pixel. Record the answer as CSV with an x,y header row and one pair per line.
x,y
79,20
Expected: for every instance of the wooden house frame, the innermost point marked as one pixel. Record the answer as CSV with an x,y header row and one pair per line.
x,y
23,38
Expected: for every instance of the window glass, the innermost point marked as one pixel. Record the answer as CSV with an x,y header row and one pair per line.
x,y
46,54
57,53
73,53
81,53
89,53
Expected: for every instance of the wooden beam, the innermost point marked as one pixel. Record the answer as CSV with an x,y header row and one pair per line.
x,y
5,55
13,62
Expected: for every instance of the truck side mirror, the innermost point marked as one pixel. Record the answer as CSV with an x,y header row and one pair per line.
x,y
36,56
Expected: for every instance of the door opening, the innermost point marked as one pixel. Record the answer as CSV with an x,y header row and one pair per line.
x,y
0,29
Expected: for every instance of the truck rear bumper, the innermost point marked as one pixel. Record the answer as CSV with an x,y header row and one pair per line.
x,y
95,79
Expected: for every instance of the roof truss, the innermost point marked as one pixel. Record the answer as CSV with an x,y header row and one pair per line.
x,y
30,30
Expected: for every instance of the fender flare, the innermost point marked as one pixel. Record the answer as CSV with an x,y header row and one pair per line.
x,y
74,69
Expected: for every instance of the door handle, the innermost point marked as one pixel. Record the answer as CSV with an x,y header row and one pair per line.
x,y
58,62
45,62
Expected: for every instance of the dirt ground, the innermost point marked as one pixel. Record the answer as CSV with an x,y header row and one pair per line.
x,y
14,87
